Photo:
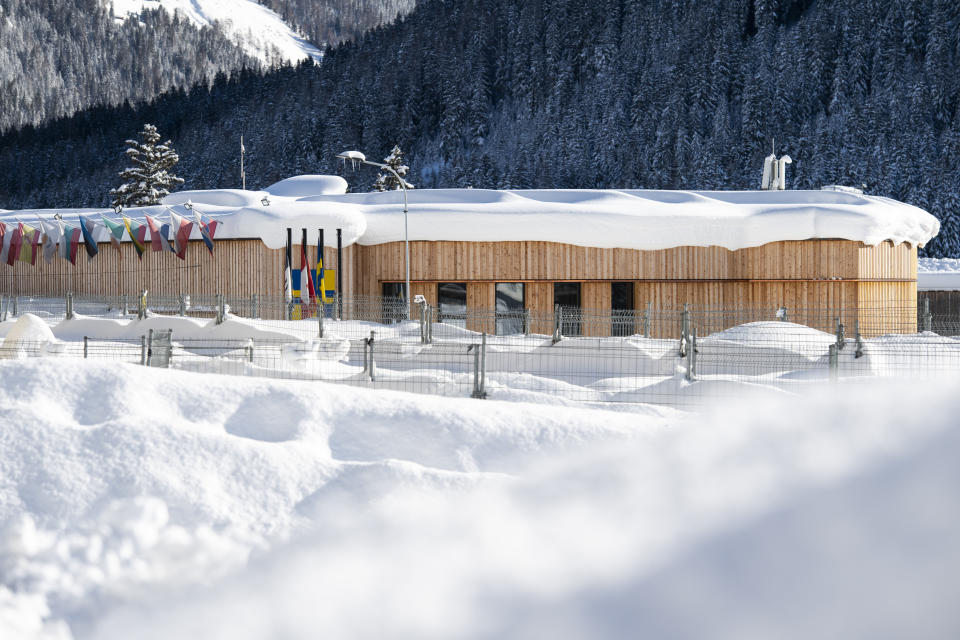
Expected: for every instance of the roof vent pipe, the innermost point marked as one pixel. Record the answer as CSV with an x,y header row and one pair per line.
x,y
774,172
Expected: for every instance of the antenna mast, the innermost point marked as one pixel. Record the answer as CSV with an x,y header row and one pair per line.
x,y
243,174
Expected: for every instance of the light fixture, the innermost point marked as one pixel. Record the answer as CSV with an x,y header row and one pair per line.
x,y
188,205
265,201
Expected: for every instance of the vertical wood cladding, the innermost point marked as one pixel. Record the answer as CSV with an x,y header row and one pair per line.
x,y
824,274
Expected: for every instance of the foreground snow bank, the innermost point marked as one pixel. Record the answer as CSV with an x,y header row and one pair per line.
x,y
155,504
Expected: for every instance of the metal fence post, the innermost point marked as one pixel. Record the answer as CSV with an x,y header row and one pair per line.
x,y
692,356
250,353
859,342
85,348
526,322
255,306
69,313
927,316
557,323
429,324
3,309
220,308
483,365
123,306
646,320
834,362
181,306
16,303
370,342
423,323
149,346
320,319
476,370
143,350
684,331
841,337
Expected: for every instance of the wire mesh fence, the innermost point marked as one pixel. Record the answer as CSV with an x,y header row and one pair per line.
x,y
682,357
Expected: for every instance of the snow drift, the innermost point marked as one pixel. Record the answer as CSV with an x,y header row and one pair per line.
x,y
154,504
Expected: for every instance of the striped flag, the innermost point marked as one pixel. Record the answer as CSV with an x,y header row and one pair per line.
x,y
138,234
206,230
158,234
88,227
307,293
181,238
116,231
16,239
4,242
29,245
51,235
69,243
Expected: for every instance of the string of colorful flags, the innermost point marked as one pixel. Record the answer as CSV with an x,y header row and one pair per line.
x,y
25,243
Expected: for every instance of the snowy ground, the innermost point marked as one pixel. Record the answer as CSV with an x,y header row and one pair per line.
x,y
151,503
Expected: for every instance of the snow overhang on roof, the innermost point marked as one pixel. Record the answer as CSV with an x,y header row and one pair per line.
x,y
641,219
630,219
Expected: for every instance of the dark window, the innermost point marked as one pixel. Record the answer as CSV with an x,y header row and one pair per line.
x,y
567,295
452,300
393,310
622,310
510,308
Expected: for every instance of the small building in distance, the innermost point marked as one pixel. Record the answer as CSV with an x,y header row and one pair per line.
x,y
475,251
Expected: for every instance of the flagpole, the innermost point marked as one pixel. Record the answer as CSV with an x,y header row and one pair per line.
x,y
243,175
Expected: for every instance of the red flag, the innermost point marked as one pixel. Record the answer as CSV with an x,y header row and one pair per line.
x,y
305,278
16,239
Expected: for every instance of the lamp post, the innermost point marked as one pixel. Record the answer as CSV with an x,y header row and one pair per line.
x,y
358,158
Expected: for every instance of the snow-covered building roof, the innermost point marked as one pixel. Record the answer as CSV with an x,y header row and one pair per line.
x,y
631,219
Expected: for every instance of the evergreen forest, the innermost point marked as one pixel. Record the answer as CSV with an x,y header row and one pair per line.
x,y
666,94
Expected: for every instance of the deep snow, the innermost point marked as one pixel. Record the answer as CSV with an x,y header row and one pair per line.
x,y
154,504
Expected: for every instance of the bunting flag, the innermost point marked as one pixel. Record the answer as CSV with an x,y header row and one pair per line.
x,y
4,242
165,237
138,234
29,245
16,239
116,231
69,242
206,230
51,236
158,234
181,238
87,228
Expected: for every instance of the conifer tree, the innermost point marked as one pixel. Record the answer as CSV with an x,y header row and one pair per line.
x,y
386,181
149,178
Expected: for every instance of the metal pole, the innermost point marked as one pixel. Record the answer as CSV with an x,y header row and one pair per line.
x,y
340,274
255,304
149,346
833,362
181,306
646,320
143,350
483,365
927,316
371,357
69,313
557,321
85,347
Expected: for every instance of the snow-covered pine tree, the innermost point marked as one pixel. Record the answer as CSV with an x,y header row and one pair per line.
x,y
386,181
149,178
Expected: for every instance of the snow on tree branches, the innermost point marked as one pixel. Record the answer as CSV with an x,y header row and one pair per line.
x,y
386,180
149,179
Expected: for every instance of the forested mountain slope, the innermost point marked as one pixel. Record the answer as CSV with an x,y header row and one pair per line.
x,y
565,93
60,56
330,22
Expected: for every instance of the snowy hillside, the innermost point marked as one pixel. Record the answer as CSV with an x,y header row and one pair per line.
x,y
258,30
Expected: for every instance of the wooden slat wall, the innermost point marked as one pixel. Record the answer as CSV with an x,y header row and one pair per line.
x,y
539,300
596,295
513,261
236,268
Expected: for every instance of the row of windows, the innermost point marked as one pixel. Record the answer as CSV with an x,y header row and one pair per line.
x,y
511,303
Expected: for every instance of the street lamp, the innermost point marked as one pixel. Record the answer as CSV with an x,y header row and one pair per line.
x,y
356,158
